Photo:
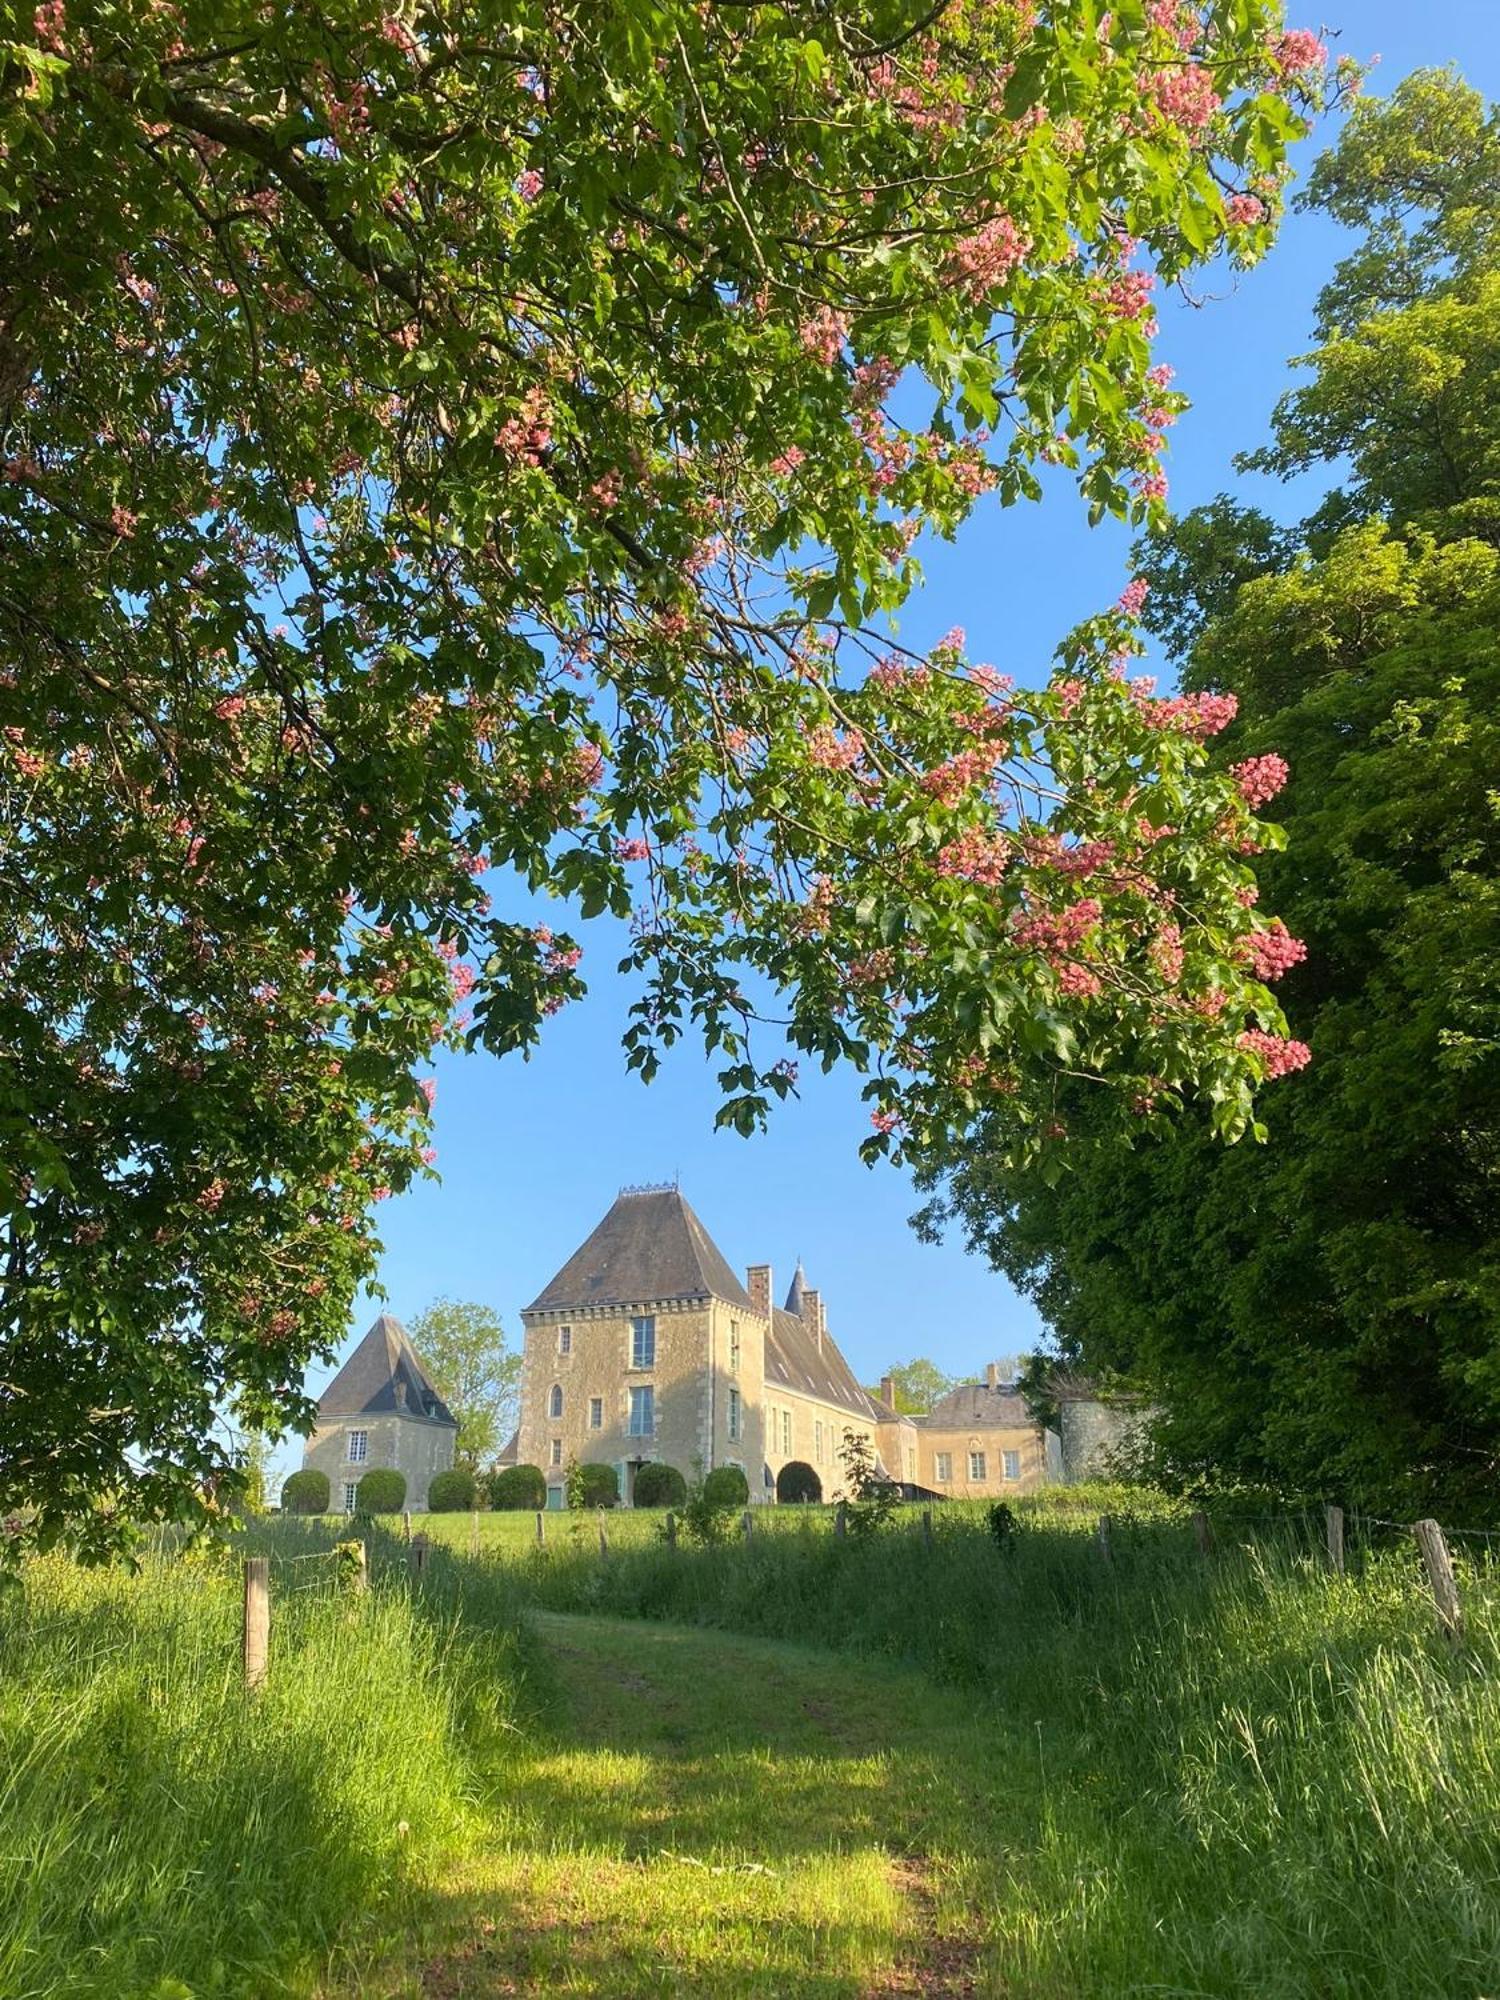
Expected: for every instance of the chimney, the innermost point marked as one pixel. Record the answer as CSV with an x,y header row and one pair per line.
x,y
812,1315
758,1285
888,1390
992,1375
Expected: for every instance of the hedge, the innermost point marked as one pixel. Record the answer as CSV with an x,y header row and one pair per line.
x,y
455,1491
381,1491
518,1487
305,1492
596,1486
727,1486
658,1485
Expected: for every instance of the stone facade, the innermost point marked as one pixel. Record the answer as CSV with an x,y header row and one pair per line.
x,y
381,1409
647,1346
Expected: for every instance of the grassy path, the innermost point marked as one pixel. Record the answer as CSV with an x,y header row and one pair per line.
x,y
708,1814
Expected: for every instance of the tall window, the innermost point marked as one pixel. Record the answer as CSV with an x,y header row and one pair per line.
x,y
565,1340
1012,1463
942,1467
643,1341
976,1466
351,1494
596,1413
554,1401
642,1413
786,1433
556,1454
734,1347
358,1449
818,1442
734,1414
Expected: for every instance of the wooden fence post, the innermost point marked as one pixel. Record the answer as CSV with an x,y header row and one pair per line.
x,y
1101,1536
671,1531
360,1579
603,1537
748,1524
840,1520
1203,1534
1440,1575
256,1633
541,1529
419,1555
927,1526
1333,1520
406,1526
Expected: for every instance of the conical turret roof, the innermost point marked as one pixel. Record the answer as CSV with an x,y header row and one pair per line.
x,y
373,1379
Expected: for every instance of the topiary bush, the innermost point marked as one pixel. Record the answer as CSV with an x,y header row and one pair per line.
x,y
452,1492
305,1492
382,1491
727,1486
518,1486
658,1485
797,1481
593,1486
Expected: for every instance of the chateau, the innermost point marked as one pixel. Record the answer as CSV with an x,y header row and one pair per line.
x,y
647,1346
381,1410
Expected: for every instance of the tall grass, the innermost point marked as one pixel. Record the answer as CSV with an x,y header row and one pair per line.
x,y
165,1834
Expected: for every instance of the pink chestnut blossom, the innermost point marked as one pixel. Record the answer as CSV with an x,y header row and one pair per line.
x,y
1280,1055
1297,50
1273,951
824,335
631,850
1260,778
1133,597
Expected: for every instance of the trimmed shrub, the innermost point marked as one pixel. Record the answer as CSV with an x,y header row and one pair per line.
x,y
382,1491
594,1486
797,1481
727,1486
305,1492
515,1487
658,1485
452,1492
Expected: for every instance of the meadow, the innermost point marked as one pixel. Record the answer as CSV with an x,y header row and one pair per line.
x,y
809,1765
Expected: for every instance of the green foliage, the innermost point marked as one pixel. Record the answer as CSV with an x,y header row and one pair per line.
x,y
462,1346
371,383
798,1482
727,1486
1322,1314
918,1384
659,1485
871,1496
1001,1522
381,1491
592,1485
305,1492
255,1461
454,1491
518,1487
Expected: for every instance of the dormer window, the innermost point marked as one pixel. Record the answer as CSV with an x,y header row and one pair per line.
x,y
400,1388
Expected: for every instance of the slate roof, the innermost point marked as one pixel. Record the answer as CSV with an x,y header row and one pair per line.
x,y
649,1246
794,1290
976,1406
366,1384
793,1360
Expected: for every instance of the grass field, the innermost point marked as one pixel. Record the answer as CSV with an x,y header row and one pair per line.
x,y
807,1767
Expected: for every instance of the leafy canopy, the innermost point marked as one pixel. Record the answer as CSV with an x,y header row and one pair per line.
x,y
462,1346
449,452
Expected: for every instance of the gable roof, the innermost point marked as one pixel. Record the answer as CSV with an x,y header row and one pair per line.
x,y
794,1360
649,1246
366,1385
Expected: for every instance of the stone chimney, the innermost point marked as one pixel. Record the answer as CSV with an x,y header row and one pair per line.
x,y
888,1390
812,1315
758,1285
992,1375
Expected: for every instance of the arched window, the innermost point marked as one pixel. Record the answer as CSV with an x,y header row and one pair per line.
x,y
554,1406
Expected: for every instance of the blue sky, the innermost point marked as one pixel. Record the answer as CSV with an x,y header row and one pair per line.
x,y
532,1154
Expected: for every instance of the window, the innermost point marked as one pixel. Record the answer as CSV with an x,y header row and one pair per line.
x,y
643,1341
642,1413
911,1464
942,1467
786,1433
565,1340
357,1449
554,1401
818,1443
976,1466
734,1347
734,1414
596,1413
351,1494
1012,1463
556,1451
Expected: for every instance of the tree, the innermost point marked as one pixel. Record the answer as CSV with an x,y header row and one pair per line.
x,y
462,1346
1324,1312
918,1384
441,448
255,1461
872,1495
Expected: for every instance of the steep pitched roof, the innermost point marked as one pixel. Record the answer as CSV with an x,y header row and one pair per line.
x,y
794,1359
367,1384
649,1246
